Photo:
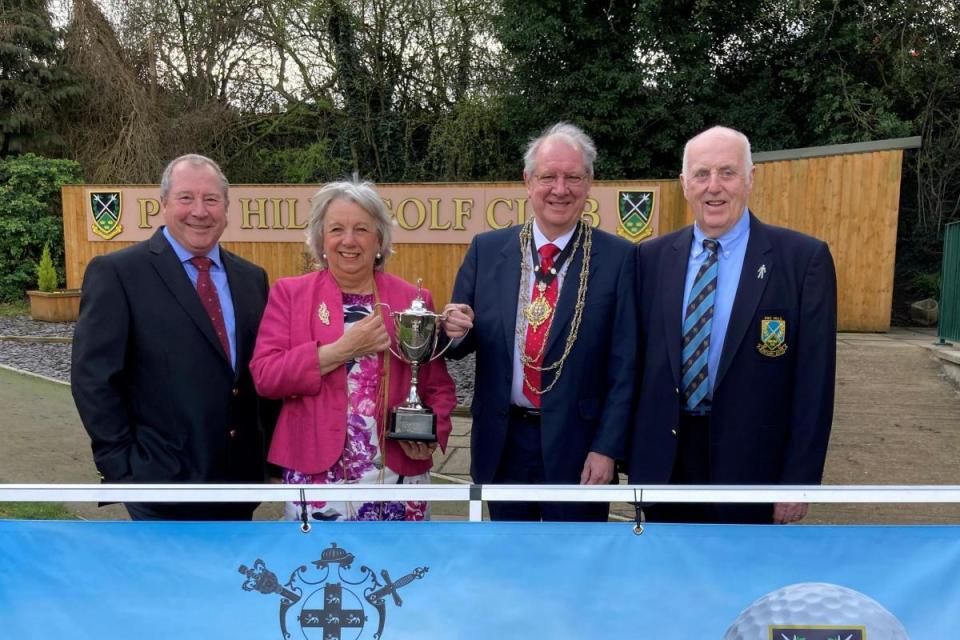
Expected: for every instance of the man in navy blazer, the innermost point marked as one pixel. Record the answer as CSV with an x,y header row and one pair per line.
x,y
561,418
763,411
161,397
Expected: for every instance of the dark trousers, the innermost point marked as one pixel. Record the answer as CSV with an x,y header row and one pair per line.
x,y
692,466
522,463
190,510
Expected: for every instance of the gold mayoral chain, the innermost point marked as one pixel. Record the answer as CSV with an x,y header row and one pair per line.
x,y
539,311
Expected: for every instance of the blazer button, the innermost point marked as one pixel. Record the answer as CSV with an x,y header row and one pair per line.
x,y
676,390
233,433
235,392
673,432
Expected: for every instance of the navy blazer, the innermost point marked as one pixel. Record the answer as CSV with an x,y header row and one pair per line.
x,y
772,404
589,408
150,379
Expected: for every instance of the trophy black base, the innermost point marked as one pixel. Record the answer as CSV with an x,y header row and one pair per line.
x,y
413,424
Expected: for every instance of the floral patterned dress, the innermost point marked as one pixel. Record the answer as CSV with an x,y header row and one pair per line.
x,y
362,459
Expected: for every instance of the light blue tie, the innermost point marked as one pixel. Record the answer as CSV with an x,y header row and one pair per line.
x,y
696,330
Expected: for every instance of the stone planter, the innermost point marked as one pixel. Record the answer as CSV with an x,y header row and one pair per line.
x,y
925,312
62,305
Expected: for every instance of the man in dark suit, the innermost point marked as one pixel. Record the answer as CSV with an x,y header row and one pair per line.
x,y
550,311
159,372
737,346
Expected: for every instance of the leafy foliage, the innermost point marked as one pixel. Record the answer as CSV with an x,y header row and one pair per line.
x,y
30,217
580,62
471,144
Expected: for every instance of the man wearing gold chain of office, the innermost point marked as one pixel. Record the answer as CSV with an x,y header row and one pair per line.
x,y
548,308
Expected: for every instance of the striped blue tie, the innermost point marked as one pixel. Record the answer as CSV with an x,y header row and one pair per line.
x,y
696,330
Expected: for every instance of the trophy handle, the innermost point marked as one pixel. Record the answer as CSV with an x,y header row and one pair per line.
x,y
441,318
384,304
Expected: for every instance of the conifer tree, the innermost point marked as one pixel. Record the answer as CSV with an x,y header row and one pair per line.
x,y
32,82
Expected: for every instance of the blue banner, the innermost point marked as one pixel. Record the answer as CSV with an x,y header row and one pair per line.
x,y
456,580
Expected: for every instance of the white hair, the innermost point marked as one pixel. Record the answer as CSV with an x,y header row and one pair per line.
x,y
362,194
744,141
570,134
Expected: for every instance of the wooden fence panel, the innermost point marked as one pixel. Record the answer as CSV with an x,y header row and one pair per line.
x,y
852,203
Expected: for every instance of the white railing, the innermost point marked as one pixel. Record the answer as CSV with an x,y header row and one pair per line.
x,y
475,495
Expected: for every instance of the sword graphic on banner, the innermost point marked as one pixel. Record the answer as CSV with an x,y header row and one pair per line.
x,y
376,598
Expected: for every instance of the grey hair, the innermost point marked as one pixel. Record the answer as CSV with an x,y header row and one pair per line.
x,y
365,196
195,160
570,134
744,141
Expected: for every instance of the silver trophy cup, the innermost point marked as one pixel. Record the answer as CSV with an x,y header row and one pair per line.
x,y
417,334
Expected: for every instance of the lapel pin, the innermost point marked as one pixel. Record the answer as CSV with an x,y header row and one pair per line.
x,y
762,271
323,313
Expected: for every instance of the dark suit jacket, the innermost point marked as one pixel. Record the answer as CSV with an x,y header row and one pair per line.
x,y
151,382
771,414
589,408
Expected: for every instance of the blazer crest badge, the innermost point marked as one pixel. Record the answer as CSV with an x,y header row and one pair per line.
x,y
773,336
635,214
105,206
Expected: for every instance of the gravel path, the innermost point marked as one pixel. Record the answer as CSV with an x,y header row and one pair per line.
x,y
53,359
24,326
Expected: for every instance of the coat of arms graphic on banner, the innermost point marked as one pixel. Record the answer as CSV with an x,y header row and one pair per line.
x,y
635,210
106,207
333,601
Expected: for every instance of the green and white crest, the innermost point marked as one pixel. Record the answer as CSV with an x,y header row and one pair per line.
x,y
635,210
106,206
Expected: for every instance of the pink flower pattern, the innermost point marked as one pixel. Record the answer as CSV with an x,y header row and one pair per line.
x,y
361,461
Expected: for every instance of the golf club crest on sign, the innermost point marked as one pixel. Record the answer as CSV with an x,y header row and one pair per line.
x,y
635,212
331,601
105,207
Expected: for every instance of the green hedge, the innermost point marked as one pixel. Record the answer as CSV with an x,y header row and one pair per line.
x,y
30,216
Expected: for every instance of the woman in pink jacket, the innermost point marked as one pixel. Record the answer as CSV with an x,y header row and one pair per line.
x,y
323,347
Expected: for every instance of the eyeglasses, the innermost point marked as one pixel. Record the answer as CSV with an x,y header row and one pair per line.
x,y
723,173
550,179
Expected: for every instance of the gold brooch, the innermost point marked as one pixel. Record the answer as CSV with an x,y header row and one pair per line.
x,y
323,313
538,312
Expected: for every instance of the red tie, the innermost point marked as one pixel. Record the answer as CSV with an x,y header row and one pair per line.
x,y
211,300
537,335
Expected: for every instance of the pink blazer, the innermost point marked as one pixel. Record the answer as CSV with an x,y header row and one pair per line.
x,y
311,431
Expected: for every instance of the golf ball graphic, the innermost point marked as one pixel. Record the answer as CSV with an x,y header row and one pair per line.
x,y
815,605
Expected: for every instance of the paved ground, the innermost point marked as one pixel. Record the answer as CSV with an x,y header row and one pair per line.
x,y
897,421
